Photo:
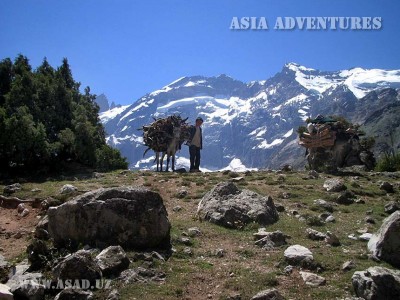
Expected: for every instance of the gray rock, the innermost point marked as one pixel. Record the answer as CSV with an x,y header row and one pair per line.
x,y
68,189
391,207
38,254
5,268
75,294
112,261
219,253
332,239
348,265
370,220
288,269
385,244
330,219
334,185
141,275
387,187
271,240
377,283
315,235
24,213
5,293
128,216
345,198
313,173
114,295
11,189
79,265
297,254
177,208
365,236
227,206
194,231
312,279
182,193
270,294
324,204
188,251
29,289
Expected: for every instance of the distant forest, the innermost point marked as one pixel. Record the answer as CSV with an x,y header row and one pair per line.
x,y
47,124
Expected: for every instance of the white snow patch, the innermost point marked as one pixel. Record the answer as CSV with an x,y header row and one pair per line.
x,y
111,114
237,166
289,133
265,145
296,99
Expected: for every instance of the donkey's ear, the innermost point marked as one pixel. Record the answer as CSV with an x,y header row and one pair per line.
x,y
184,120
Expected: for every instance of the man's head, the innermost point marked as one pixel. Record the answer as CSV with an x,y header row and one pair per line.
x,y
199,121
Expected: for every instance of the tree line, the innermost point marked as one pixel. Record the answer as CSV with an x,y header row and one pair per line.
x,y
47,124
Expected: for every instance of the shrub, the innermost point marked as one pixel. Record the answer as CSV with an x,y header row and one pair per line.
x,y
389,163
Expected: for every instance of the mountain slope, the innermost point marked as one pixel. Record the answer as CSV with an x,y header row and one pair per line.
x,y
253,124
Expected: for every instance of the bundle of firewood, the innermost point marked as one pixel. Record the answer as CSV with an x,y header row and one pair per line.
x,y
158,135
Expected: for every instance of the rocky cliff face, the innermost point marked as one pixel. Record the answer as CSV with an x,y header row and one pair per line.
x,y
254,124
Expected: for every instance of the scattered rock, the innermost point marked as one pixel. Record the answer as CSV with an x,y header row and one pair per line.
x,y
359,201
194,231
188,251
315,235
113,295
24,213
5,293
387,187
76,294
391,207
312,279
271,240
11,189
182,193
297,254
38,254
345,198
288,269
177,208
79,265
365,236
112,261
219,253
5,268
332,239
385,244
237,179
377,283
20,208
68,189
370,220
348,265
324,204
334,185
98,175
313,174
141,274
29,289
270,294
279,207
227,206
133,217
330,219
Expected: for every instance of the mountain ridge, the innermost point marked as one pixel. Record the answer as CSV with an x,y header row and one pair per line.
x,y
251,121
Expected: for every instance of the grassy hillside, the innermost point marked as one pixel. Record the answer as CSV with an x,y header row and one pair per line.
x,y
244,269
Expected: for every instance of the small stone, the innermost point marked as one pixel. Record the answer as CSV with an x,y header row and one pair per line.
x,y
365,236
332,239
24,213
177,208
188,251
68,189
113,295
288,269
334,185
345,198
391,207
182,193
315,235
271,294
352,237
324,204
348,265
237,179
185,241
20,208
279,207
370,220
387,187
220,253
313,174
369,212
312,279
11,189
194,231
359,201
296,254
330,219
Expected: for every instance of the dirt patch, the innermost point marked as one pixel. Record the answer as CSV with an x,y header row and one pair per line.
x,y
16,231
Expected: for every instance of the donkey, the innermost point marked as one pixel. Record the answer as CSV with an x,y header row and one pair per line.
x,y
173,147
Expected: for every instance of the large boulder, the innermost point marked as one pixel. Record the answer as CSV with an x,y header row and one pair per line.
x,y
298,254
227,206
377,283
26,285
5,268
128,216
385,245
5,293
80,265
112,260
74,294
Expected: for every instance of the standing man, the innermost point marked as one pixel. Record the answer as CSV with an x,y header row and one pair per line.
x,y
195,145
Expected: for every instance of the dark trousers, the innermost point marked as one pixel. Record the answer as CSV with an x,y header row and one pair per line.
x,y
194,157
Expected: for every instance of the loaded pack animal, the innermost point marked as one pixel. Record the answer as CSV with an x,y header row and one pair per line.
x,y
165,137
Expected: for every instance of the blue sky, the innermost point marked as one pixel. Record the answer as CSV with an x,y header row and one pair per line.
x,y
126,49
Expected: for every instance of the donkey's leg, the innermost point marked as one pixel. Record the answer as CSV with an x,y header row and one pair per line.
x,y
168,158
173,163
162,161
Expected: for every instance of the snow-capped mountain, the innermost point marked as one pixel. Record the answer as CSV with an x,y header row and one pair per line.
x,y
249,125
